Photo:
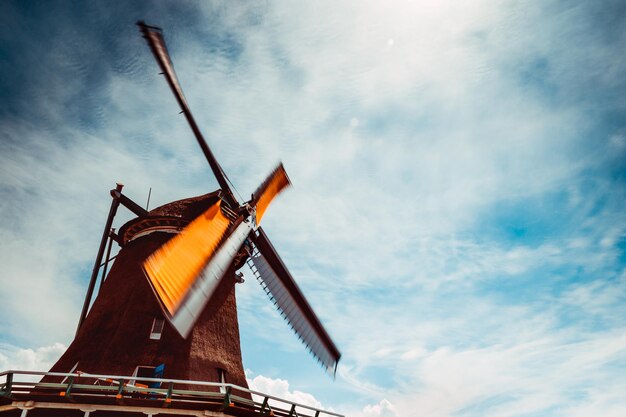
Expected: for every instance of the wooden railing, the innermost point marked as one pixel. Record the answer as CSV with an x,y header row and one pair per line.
x,y
84,388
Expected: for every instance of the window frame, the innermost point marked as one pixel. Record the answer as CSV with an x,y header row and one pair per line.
x,y
156,331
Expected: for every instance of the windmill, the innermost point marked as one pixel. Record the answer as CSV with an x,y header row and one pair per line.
x,y
168,305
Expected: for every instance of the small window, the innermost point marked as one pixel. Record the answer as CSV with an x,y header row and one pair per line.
x,y
157,329
221,375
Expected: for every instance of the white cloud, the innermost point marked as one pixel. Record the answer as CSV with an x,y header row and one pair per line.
x,y
26,359
383,409
407,128
280,388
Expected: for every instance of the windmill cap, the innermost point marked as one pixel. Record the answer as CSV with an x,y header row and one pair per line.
x,y
168,217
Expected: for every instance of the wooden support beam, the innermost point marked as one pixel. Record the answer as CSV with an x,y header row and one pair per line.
x,y
107,258
96,267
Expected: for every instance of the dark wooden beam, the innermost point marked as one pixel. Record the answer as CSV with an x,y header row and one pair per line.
x,y
96,266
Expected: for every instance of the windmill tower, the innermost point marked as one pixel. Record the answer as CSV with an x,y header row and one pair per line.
x,y
165,317
126,332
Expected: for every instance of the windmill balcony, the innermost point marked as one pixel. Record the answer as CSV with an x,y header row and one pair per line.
x,y
92,395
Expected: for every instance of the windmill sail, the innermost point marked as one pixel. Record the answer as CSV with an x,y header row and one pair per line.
x,y
280,286
159,50
274,184
173,268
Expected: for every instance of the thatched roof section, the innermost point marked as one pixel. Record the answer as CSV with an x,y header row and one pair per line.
x,y
174,215
188,208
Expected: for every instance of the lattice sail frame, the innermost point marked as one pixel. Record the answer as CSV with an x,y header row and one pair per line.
x,y
279,285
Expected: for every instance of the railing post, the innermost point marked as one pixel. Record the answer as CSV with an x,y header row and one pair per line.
x,y
266,409
120,389
292,412
68,390
227,402
170,389
6,392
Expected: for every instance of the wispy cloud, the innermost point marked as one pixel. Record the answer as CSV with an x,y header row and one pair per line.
x,y
457,212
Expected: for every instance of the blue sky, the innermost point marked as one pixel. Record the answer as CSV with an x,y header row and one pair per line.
x,y
459,176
